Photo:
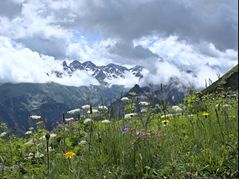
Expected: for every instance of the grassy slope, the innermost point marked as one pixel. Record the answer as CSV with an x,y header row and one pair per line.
x,y
229,80
190,146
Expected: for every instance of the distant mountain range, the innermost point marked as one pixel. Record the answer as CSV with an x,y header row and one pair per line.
x,y
49,100
104,74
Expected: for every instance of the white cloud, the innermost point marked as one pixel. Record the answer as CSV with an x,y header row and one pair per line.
x,y
180,57
19,64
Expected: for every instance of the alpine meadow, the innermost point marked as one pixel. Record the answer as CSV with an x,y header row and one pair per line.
x,y
126,89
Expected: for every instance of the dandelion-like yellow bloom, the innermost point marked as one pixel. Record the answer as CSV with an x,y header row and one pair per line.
x,y
165,122
205,114
69,154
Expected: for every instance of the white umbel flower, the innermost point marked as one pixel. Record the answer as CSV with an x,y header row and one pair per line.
x,y
167,116
129,115
87,120
35,117
83,142
74,111
3,134
28,132
38,155
52,135
102,108
177,109
105,121
143,103
144,110
86,107
69,119
124,99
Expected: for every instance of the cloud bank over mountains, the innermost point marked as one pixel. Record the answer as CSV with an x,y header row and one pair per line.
x,y
166,37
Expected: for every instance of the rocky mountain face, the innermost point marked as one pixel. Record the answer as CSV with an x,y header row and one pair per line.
x,y
101,73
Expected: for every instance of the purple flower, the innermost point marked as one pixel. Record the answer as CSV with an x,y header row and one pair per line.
x,y
18,165
2,166
125,128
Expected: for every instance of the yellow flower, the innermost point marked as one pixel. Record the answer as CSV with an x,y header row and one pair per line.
x,y
69,154
165,122
205,114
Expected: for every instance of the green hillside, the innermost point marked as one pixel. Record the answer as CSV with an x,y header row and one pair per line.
x,y
50,100
227,81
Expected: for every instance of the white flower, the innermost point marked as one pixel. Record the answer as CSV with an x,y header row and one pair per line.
x,y
52,135
74,111
30,155
102,108
143,103
226,106
94,111
166,116
38,155
69,119
83,142
85,107
29,143
31,128
144,110
87,120
42,137
35,117
191,115
3,134
124,99
177,109
28,132
130,115
105,121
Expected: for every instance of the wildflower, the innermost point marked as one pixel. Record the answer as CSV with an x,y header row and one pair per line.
x,y
144,110
38,155
35,117
205,114
29,143
86,107
165,122
125,128
3,134
69,155
105,121
102,108
74,111
226,106
83,142
69,119
2,165
93,111
52,135
166,116
177,109
132,93
143,103
31,129
130,115
30,156
28,132
87,120
18,165
124,99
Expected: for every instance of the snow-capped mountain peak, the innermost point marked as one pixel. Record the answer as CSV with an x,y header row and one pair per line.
x,y
101,73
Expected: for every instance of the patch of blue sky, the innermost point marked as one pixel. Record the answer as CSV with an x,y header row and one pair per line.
x,y
90,37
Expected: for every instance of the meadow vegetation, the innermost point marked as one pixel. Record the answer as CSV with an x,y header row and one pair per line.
x,y
196,139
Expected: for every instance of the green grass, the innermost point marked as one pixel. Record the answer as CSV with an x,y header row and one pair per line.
x,y
189,146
